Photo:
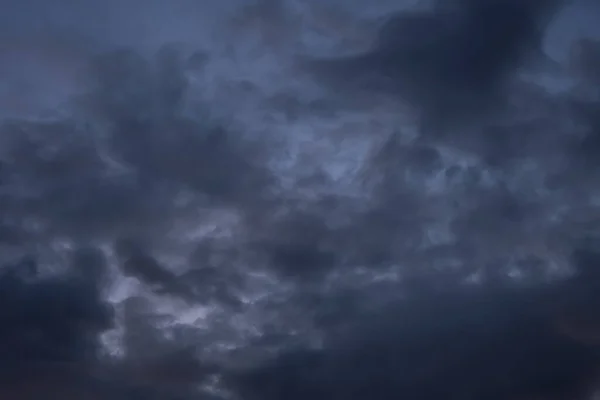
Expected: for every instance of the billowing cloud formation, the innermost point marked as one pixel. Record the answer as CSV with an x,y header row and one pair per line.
x,y
469,342
49,326
226,215
451,59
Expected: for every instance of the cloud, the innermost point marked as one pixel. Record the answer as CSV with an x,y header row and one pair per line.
x,y
53,319
304,254
450,60
459,341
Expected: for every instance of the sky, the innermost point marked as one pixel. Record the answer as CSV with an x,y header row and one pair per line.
x,y
223,189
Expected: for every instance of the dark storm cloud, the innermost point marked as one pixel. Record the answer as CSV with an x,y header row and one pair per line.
x,y
448,339
49,338
450,61
51,319
59,170
114,167
136,141
144,103
460,342
584,104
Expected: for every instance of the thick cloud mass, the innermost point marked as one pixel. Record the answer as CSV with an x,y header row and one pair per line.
x,y
452,59
468,342
298,199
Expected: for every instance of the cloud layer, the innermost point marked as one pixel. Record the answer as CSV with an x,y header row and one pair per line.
x,y
204,189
